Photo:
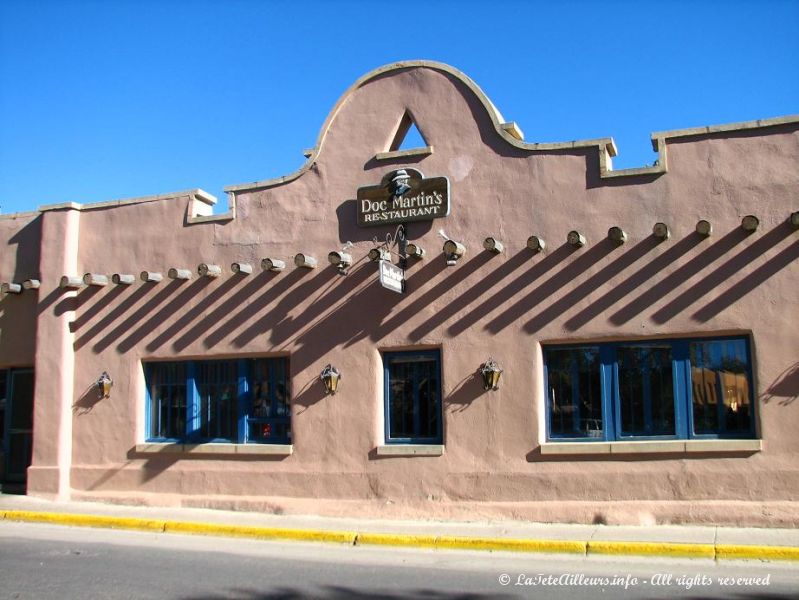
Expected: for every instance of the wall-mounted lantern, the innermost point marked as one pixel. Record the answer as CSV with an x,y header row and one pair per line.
x,y
305,261
330,376
179,274
536,244
340,260
11,288
453,251
95,279
576,239
150,276
415,251
795,219
104,385
31,284
206,270
617,235
493,245
379,253
241,268
70,283
661,231
272,264
123,279
491,372
704,228
750,223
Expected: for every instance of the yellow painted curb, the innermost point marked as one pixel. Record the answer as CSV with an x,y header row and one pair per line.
x,y
396,539
511,545
732,551
264,533
85,520
668,549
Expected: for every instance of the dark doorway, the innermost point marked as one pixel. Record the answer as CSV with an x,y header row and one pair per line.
x,y
17,420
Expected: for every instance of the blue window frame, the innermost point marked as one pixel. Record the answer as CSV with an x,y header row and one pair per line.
x,y
658,389
235,401
413,397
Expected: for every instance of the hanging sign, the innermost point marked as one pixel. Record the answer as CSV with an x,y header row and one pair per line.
x,y
404,195
392,277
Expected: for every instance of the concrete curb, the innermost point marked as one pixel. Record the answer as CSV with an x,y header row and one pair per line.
x,y
443,542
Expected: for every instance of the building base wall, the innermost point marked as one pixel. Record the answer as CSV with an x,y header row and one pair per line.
x,y
778,514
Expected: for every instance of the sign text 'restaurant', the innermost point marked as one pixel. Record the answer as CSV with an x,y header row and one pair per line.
x,y
426,200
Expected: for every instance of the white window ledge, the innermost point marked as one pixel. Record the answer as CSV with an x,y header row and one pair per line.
x,y
411,450
226,449
652,447
423,151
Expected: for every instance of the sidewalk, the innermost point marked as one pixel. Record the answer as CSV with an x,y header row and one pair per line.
x,y
716,543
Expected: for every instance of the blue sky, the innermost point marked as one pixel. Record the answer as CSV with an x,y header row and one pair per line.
x,y
102,100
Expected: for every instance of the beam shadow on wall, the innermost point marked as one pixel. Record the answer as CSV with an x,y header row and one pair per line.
x,y
712,280
594,282
485,285
265,288
112,316
339,287
560,280
155,319
541,265
676,278
278,316
748,283
646,274
136,317
195,312
90,312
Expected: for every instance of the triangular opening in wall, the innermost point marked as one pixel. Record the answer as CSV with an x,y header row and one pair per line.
x,y
408,136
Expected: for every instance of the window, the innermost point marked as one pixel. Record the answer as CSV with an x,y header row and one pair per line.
x,y
234,401
681,389
413,397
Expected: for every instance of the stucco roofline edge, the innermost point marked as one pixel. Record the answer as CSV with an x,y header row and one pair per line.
x,y
195,193
497,120
606,146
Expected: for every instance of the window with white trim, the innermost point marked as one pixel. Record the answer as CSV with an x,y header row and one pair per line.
x,y
658,389
413,397
228,401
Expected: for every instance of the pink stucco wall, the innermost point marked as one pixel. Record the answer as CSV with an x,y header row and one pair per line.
x,y
505,306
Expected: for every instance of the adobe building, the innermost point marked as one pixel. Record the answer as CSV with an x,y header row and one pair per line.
x,y
482,327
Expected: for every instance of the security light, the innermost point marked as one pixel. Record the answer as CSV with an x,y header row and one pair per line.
x,y
453,251
414,250
376,254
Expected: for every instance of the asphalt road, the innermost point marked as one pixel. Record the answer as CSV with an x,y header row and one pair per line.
x,y
44,562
